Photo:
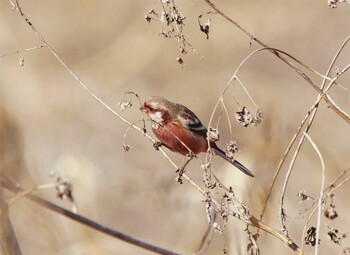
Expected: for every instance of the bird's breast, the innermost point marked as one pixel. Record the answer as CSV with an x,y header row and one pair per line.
x,y
179,139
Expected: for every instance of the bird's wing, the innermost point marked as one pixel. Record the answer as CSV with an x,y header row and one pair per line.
x,y
191,122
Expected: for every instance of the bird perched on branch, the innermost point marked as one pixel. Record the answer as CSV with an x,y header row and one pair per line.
x,y
180,130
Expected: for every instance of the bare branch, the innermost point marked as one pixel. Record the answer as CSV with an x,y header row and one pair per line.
x,y
321,190
85,221
310,113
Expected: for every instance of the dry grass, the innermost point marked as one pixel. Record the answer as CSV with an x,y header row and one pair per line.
x,y
50,125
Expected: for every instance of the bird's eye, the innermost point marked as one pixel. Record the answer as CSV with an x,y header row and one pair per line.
x,y
152,108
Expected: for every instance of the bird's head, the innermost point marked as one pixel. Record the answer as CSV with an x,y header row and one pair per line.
x,y
158,109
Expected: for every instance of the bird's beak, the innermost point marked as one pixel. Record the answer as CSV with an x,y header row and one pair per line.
x,y
142,109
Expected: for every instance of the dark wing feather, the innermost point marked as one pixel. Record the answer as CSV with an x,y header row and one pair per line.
x,y
192,122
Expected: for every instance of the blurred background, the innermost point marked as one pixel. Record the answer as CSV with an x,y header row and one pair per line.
x,y
49,124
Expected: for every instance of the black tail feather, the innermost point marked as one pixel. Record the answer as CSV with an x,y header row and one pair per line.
x,y
234,162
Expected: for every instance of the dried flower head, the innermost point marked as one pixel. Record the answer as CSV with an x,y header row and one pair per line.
x,y
218,228
172,24
148,18
126,147
64,188
204,27
245,118
213,134
310,238
21,61
345,251
252,247
180,60
124,104
258,117
335,236
333,3
330,212
231,149
303,196
182,50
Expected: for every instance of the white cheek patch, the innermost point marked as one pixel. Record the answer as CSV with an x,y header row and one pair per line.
x,y
157,118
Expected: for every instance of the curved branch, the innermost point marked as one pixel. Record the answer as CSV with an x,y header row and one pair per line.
x,y
325,97
87,222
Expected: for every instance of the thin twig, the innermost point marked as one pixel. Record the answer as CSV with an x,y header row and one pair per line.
x,y
85,221
209,234
25,192
272,50
321,94
312,111
8,240
333,188
314,107
235,77
23,50
321,191
332,185
328,190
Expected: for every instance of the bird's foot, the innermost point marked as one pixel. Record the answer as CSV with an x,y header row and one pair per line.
x,y
180,171
190,155
158,144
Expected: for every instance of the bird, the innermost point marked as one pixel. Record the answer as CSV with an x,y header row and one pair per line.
x,y
181,131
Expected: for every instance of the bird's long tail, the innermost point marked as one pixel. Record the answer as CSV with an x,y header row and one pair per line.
x,y
221,153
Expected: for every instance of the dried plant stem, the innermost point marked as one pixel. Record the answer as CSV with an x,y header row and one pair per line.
x,y
335,187
85,221
319,213
235,77
111,232
315,105
17,7
277,53
312,111
341,113
328,190
25,192
23,50
209,234
8,241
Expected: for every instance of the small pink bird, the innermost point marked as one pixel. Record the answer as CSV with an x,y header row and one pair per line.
x,y
174,123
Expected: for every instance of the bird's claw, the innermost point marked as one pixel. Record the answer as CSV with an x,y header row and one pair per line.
x,y
182,169
190,155
158,144
180,172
